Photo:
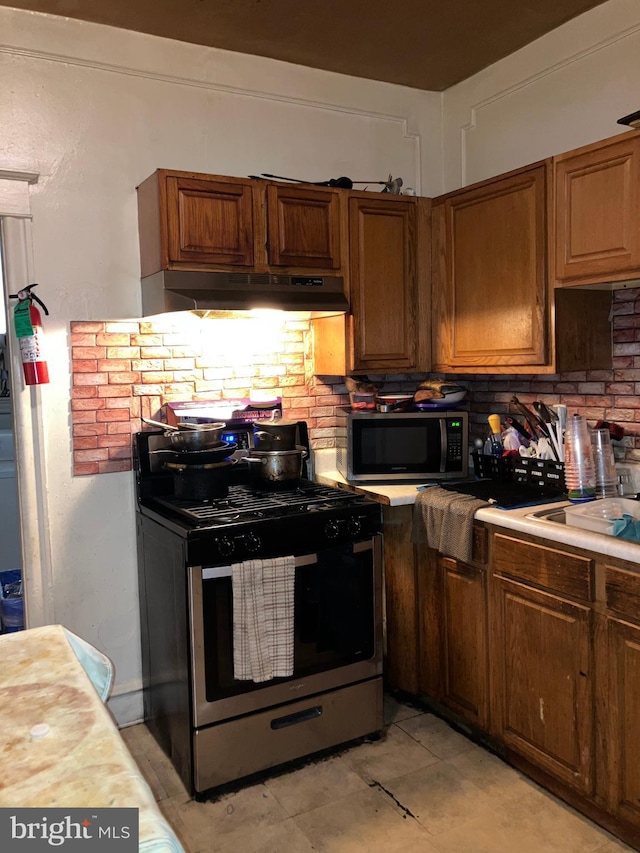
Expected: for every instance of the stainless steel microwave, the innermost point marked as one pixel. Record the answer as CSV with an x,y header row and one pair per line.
x,y
373,447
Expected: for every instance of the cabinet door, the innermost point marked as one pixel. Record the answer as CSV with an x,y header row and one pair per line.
x,y
543,703
623,713
464,626
490,273
303,228
597,211
209,221
384,295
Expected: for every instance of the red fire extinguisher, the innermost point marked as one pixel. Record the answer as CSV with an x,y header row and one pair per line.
x,y
30,334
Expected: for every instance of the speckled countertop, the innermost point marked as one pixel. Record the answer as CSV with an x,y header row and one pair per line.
x,y
82,761
511,519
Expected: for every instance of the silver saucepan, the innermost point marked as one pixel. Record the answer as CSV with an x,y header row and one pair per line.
x,y
195,437
276,468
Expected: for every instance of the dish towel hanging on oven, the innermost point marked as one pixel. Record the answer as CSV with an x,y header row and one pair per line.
x,y
263,618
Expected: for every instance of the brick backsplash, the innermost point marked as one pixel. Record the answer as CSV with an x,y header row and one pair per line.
x,y
122,370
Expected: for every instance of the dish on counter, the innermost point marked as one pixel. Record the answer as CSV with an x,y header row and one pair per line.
x,y
393,402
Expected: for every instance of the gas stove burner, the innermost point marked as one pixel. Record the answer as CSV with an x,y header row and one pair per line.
x,y
244,504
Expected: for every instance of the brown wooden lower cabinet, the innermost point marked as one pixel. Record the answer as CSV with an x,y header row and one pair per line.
x,y
542,697
537,650
453,631
624,719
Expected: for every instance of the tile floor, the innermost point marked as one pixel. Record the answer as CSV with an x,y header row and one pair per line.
x,y
422,788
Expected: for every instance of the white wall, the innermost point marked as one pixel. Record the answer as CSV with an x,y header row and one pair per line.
x,y
94,111
562,91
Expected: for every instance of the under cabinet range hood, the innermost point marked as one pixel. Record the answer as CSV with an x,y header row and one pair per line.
x,y
193,290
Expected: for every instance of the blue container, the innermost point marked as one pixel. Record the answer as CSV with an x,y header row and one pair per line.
x,y
11,609
12,613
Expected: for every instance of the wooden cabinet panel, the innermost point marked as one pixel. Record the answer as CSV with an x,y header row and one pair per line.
x,y
568,574
490,273
543,705
189,220
598,210
401,662
209,222
383,283
465,681
389,327
622,591
303,227
624,720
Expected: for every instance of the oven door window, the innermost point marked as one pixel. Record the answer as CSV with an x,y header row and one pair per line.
x,y
387,445
334,620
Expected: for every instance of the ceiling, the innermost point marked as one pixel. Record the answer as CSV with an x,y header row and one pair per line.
x,y
426,44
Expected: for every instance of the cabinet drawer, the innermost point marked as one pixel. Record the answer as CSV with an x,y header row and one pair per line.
x,y
622,592
552,569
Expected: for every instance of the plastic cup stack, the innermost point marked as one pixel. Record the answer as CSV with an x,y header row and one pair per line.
x,y
579,469
605,464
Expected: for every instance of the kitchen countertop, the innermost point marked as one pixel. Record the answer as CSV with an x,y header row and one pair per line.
x,y
510,519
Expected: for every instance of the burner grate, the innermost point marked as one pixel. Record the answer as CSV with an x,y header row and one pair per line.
x,y
246,504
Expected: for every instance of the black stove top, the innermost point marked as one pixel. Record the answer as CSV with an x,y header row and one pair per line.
x,y
246,504
249,522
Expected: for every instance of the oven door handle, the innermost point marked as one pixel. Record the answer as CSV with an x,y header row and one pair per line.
x,y
226,571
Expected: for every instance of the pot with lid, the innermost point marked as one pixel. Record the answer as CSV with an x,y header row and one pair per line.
x,y
275,435
276,469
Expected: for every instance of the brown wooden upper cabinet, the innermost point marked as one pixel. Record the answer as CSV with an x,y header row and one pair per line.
x,y
493,310
598,212
489,247
388,330
189,220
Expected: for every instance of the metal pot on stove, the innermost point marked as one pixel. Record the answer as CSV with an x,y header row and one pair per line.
x,y
191,437
275,435
272,469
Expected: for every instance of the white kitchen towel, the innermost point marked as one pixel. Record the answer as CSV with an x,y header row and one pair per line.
x,y
263,593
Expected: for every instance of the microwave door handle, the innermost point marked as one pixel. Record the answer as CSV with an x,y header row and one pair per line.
x,y
443,445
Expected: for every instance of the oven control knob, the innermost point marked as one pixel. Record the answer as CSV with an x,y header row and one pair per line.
x,y
252,542
225,546
354,525
331,529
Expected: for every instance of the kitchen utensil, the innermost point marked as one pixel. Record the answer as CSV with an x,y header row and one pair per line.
x,y
544,412
200,482
199,439
343,183
579,471
160,425
199,427
222,450
530,417
493,445
277,468
605,465
272,435
518,427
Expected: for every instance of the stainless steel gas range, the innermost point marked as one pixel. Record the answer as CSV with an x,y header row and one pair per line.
x,y
218,729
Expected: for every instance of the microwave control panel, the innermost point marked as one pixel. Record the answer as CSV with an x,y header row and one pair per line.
x,y
455,443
